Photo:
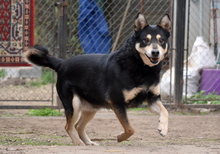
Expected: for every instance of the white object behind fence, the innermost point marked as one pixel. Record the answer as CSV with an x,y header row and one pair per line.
x,y
201,57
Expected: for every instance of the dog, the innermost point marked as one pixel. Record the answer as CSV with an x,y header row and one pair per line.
x,y
118,80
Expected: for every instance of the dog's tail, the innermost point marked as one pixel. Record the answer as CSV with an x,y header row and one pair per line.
x,y
38,55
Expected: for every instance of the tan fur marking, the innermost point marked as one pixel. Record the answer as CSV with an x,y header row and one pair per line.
x,y
159,47
32,51
29,52
83,113
158,108
149,36
162,50
158,36
128,128
86,106
142,52
155,89
130,94
85,117
71,130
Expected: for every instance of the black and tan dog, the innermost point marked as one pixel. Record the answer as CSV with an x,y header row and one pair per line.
x,y
124,78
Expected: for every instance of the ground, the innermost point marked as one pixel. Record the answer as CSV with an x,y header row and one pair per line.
x,y
188,133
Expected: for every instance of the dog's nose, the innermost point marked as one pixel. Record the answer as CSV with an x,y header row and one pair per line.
x,y
155,53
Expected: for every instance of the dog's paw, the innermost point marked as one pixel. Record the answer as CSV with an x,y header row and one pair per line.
x,y
79,144
92,143
124,136
163,126
119,137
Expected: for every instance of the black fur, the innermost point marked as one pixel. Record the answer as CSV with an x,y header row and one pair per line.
x,y
42,58
94,76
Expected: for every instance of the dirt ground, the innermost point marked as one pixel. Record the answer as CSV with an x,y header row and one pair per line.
x,y
188,133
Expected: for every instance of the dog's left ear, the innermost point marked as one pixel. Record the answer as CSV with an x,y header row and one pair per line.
x,y
165,23
140,22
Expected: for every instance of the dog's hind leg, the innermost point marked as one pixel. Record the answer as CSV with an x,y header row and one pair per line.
x,y
86,116
72,110
70,126
121,114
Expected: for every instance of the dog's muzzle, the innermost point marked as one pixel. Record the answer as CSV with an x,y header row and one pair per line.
x,y
155,56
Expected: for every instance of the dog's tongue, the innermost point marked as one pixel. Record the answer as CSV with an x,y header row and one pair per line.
x,y
154,59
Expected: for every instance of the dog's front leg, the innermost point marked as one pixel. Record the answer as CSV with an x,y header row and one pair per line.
x,y
122,117
158,108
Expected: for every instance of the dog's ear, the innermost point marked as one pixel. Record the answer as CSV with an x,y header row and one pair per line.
x,y
140,22
165,23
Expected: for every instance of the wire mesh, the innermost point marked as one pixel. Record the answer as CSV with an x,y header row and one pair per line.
x,y
32,85
120,13
114,12
201,74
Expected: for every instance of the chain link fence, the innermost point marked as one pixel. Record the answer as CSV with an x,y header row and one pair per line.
x,y
201,71
119,17
31,87
201,78
108,22
103,26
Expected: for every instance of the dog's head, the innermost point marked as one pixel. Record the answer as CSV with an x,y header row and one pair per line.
x,y
152,40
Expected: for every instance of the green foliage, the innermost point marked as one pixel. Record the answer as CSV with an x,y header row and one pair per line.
x,y
2,73
137,109
47,77
44,112
201,98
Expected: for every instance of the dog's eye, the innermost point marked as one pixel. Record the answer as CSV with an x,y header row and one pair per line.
x,y
146,41
161,41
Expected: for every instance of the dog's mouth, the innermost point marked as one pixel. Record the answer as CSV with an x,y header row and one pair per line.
x,y
153,60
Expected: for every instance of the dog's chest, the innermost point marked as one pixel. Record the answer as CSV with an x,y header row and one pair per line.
x,y
131,94
138,95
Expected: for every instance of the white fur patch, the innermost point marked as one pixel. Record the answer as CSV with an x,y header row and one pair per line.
x,y
155,108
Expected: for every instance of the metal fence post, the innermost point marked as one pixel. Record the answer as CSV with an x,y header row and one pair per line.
x,y
62,29
179,55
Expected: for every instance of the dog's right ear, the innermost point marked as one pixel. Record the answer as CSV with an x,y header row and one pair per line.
x,y
140,22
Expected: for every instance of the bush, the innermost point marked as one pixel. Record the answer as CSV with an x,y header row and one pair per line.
x,y
201,98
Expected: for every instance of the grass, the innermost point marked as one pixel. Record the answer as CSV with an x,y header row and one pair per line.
x,y
44,112
8,115
137,109
41,140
